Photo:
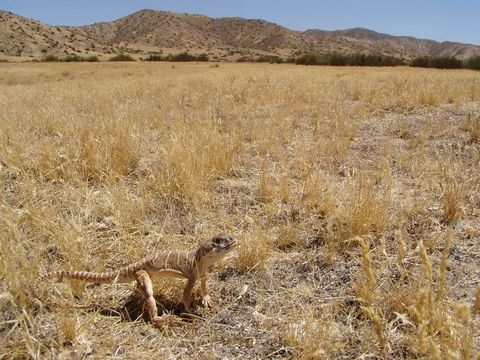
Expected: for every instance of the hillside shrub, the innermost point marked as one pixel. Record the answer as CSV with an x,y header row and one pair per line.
x,y
337,59
473,62
91,58
155,58
51,58
272,59
437,62
121,57
244,59
181,57
184,56
72,58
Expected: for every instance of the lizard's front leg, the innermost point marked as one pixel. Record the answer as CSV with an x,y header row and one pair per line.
x,y
206,300
187,295
144,286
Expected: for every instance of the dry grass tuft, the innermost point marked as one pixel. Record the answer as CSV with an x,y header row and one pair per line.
x,y
67,326
362,210
306,337
453,194
255,249
377,323
472,126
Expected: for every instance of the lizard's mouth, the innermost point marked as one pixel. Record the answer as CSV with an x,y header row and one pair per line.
x,y
230,245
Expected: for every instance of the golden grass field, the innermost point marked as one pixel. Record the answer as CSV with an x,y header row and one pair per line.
x,y
354,192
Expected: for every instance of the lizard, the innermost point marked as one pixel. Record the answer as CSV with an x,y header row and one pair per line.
x,y
189,265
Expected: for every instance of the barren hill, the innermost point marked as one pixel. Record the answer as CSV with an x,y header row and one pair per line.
x,y
148,31
404,46
23,37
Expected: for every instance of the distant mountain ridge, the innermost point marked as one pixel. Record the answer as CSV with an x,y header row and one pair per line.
x,y
149,32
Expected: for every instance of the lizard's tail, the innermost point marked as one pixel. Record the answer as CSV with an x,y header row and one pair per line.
x,y
57,276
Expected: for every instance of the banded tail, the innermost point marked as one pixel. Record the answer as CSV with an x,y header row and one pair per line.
x,y
93,277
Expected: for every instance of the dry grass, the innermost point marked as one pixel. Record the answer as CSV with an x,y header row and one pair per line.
x,y
354,193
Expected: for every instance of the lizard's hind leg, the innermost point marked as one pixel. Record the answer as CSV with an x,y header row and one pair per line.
x,y
145,288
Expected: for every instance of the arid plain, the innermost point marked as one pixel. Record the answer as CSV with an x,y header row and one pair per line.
x,y
354,193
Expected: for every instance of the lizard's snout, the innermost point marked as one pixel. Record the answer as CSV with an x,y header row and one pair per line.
x,y
229,245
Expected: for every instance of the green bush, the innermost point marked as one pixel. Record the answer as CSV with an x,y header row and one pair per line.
x,y
202,57
272,59
181,57
421,61
473,62
309,59
373,60
72,58
121,57
92,58
184,56
437,62
244,59
51,58
155,58
336,59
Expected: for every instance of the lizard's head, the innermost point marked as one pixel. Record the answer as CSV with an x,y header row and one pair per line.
x,y
217,247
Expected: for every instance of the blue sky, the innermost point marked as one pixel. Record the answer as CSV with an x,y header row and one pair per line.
x,y
442,20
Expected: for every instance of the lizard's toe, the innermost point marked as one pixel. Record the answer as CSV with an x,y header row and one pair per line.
x,y
207,301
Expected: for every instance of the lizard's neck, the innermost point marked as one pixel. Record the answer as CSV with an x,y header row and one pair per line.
x,y
199,261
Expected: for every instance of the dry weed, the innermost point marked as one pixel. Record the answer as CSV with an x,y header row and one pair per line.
x,y
255,249
472,126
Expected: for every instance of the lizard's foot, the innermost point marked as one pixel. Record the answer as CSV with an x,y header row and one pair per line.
x,y
207,301
165,320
